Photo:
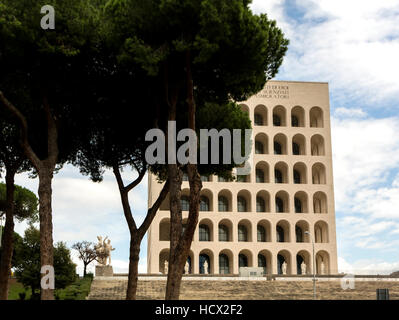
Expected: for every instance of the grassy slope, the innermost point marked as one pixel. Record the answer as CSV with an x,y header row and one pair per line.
x,y
76,291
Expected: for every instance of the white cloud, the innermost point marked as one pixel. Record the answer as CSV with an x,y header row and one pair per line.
x,y
349,113
354,46
367,267
364,153
366,165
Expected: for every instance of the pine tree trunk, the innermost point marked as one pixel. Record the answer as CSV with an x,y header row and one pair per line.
x,y
45,169
46,225
131,292
7,241
174,279
180,248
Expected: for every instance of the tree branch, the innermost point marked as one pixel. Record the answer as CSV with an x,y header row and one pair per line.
x,y
24,131
125,199
153,210
137,181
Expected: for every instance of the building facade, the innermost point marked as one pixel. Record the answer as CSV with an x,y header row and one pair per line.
x,y
269,218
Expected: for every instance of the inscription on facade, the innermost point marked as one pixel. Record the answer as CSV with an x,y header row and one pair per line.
x,y
274,92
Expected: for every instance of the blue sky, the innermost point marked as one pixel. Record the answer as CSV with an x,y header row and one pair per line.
x,y
353,45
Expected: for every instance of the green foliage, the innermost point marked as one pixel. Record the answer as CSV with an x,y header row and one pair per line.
x,y
78,290
18,292
17,240
39,63
233,51
75,26
26,203
27,259
65,269
27,262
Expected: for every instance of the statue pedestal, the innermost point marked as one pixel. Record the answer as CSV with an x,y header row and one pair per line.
x,y
104,271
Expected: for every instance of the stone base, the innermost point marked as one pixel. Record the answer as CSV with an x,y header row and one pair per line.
x,y
104,271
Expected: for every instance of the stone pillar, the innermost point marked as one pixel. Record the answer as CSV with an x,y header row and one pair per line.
x,y
292,233
234,266
234,235
195,262
292,267
274,263
215,263
215,236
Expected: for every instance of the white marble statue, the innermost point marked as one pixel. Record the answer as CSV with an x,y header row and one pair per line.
x,y
187,268
100,251
165,267
303,267
322,268
103,250
205,265
108,248
284,267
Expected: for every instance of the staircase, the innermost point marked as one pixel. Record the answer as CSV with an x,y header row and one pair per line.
x,y
115,289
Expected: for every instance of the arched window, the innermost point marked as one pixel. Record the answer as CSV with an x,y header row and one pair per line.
x,y
280,234
261,234
204,233
316,118
298,206
299,260
202,259
224,264
262,262
259,149
299,234
277,148
204,204
260,176
260,204
242,261
223,204
242,233
278,176
241,204
185,203
296,149
276,120
258,120
297,177
279,205
223,233
294,121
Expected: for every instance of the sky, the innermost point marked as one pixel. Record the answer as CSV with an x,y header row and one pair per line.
x,y
354,46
